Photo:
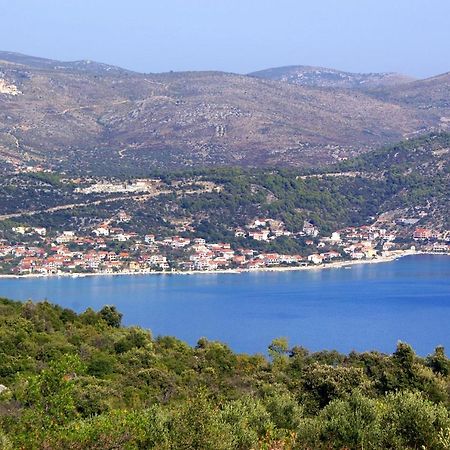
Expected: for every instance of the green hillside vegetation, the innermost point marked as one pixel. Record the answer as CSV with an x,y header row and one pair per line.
x,y
330,202
83,381
426,155
411,175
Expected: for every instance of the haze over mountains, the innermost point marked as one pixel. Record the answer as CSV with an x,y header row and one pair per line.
x,y
323,77
95,117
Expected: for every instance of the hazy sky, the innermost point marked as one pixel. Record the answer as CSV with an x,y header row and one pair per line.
x,y
409,36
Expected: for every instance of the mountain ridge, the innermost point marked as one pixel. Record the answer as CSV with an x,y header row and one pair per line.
x,y
317,76
90,116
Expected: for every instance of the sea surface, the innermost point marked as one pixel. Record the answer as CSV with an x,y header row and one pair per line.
x,y
365,307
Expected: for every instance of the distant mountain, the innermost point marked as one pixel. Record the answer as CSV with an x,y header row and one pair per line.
x,y
98,118
330,78
432,94
8,58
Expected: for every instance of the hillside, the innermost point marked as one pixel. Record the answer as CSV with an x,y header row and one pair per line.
x,y
331,78
428,156
98,118
431,94
418,170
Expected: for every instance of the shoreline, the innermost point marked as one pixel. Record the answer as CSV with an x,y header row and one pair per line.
x,y
332,265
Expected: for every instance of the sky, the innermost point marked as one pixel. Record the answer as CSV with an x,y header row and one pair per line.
x,y
407,36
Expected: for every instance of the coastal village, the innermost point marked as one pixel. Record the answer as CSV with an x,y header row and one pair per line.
x,y
108,249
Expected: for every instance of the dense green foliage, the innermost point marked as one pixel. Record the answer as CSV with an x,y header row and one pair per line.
x,y
85,382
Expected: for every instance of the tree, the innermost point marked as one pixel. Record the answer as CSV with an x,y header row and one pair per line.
x,y
438,362
279,348
353,423
111,316
197,424
49,395
412,421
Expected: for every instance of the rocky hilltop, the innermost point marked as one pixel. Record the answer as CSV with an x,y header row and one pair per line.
x,y
324,77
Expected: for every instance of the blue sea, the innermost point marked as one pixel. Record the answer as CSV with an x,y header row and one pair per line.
x,y
365,307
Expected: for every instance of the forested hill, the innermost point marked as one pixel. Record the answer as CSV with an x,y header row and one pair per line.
x,y
427,155
85,382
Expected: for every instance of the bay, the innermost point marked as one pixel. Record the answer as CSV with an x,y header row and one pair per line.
x,y
365,307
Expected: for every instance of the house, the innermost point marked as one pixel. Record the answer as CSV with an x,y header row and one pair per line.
x,y
440,247
199,248
53,262
335,237
388,246
239,232
270,259
115,265
111,256
202,255
277,232
309,229
221,262
205,264
239,260
102,230
123,217
258,223
159,261
369,252
290,259
315,258
41,231
219,246
5,250
69,264
19,251
20,230
226,253
247,252
187,265
422,233
65,237
179,242
260,235
255,264
134,266
122,237
116,230
328,256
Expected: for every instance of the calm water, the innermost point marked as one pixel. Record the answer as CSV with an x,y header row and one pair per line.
x,y
366,307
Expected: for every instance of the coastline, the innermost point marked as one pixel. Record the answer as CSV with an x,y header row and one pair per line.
x,y
332,265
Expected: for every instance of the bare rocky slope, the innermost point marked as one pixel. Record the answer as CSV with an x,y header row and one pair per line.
x,y
94,117
431,94
332,78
